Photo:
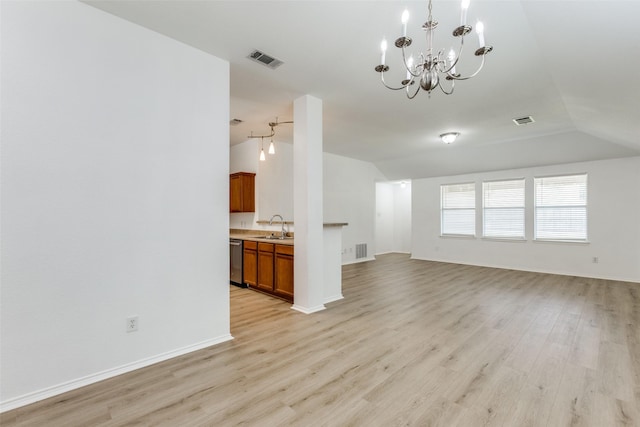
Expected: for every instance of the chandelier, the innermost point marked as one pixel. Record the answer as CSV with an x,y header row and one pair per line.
x,y
431,67
272,149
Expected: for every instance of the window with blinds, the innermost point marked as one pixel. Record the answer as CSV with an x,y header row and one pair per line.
x,y
561,208
503,209
458,209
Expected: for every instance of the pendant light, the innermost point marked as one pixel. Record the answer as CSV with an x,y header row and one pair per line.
x,y
262,156
272,148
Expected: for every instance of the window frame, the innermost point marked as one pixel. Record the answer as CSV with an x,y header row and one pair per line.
x,y
523,208
585,206
443,209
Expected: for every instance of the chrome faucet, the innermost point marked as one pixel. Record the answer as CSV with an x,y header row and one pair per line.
x,y
284,233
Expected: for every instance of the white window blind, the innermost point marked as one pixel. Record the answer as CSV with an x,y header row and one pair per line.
x,y
561,207
503,209
457,209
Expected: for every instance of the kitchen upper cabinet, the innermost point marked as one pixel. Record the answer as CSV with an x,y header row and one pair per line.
x,y
242,192
250,263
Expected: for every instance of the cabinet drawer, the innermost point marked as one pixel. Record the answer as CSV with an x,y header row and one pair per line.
x,y
284,249
265,247
248,244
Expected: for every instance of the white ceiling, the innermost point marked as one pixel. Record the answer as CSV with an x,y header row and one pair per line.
x,y
572,65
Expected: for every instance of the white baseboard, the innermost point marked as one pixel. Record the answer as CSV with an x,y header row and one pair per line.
x,y
531,270
333,298
306,310
109,373
355,261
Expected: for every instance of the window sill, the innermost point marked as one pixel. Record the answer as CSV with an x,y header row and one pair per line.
x,y
574,242
505,239
458,236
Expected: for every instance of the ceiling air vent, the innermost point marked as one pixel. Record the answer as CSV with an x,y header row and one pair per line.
x,y
523,120
265,59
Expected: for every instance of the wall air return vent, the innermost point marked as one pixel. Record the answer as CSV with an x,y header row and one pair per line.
x,y
264,59
523,120
361,250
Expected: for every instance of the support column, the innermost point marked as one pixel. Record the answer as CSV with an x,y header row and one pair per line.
x,y
307,205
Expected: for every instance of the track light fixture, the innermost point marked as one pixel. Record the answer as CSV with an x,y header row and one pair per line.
x,y
272,148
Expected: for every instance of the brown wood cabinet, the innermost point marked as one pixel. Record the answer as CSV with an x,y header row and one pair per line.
x,y
250,263
265,266
268,267
283,284
242,192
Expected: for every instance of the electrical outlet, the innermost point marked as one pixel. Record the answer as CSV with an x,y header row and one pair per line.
x,y
132,324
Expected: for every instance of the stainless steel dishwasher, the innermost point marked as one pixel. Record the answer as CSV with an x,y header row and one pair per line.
x,y
235,261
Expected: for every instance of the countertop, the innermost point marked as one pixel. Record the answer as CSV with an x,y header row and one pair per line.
x,y
257,235
254,236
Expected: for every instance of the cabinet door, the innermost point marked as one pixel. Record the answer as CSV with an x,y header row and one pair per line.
x,y
235,193
265,266
250,267
248,193
284,276
242,192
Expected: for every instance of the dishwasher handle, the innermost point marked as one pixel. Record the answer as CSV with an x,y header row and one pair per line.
x,y
235,242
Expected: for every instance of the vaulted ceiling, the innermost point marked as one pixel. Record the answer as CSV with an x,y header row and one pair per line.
x,y
574,66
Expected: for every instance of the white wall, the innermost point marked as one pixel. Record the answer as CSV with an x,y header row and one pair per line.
x,y
274,183
244,158
350,196
114,198
613,225
385,220
393,217
274,188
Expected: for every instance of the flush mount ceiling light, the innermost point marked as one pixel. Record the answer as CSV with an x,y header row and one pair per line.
x,y
449,137
272,148
431,66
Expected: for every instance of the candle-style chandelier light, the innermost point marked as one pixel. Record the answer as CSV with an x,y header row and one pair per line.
x,y
431,67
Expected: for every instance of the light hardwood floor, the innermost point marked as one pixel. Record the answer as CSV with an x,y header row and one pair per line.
x,y
413,343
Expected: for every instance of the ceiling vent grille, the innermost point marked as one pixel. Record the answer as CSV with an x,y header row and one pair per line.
x,y
523,120
264,59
